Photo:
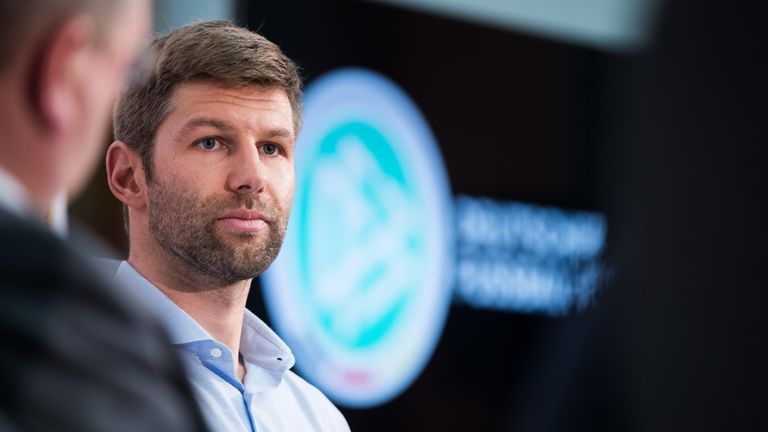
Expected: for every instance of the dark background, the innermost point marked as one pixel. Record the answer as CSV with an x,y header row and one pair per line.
x,y
667,141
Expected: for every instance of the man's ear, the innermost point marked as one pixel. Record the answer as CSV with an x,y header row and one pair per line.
x,y
125,175
63,57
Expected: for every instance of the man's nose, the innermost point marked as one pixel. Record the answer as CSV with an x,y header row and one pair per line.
x,y
248,173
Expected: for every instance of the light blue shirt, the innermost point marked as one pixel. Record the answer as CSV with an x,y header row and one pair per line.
x,y
270,398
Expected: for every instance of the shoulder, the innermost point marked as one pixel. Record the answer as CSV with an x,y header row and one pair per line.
x,y
63,324
52,291
25,241
35,264
39,266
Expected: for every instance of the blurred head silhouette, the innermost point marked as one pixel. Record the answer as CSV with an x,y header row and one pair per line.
x,y
62,63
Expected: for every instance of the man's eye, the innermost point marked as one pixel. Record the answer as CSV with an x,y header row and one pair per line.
x,y
270,149
208,143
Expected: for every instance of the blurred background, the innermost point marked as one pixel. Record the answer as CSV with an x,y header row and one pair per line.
x,y
647,114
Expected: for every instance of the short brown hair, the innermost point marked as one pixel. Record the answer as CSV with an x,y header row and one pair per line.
x,y
216,50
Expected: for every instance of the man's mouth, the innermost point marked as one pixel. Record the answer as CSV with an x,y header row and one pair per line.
x,y
243,221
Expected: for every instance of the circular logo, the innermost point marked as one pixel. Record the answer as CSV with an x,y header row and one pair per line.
x,y
361,288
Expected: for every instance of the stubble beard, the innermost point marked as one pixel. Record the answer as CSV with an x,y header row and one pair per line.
x,y
184,225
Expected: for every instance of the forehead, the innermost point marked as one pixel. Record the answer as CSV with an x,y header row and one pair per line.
x,y
208,91
253,102
200,108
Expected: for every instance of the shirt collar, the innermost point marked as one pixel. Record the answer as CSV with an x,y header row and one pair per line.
x,y
259,345
180,326
13,195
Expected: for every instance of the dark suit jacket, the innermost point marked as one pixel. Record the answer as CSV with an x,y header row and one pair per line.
x,y
75,354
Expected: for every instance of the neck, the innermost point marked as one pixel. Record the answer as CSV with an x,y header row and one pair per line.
x,y
218,309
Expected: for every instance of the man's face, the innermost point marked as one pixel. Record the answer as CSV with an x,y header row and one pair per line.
x,y
223,179
109,62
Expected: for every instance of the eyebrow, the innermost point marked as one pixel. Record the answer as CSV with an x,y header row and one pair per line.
x,y
201,122
227,127
280,132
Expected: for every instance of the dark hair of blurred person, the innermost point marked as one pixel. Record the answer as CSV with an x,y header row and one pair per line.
x,y
76,355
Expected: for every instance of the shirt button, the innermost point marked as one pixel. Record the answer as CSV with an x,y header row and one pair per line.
x,y
216,352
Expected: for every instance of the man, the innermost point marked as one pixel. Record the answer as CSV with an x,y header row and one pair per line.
x,y
204,165
76,354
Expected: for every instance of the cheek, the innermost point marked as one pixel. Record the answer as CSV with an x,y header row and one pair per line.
x,y
285,185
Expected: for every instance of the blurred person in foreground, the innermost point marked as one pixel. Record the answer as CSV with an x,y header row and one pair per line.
x,y
76,356
204,163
